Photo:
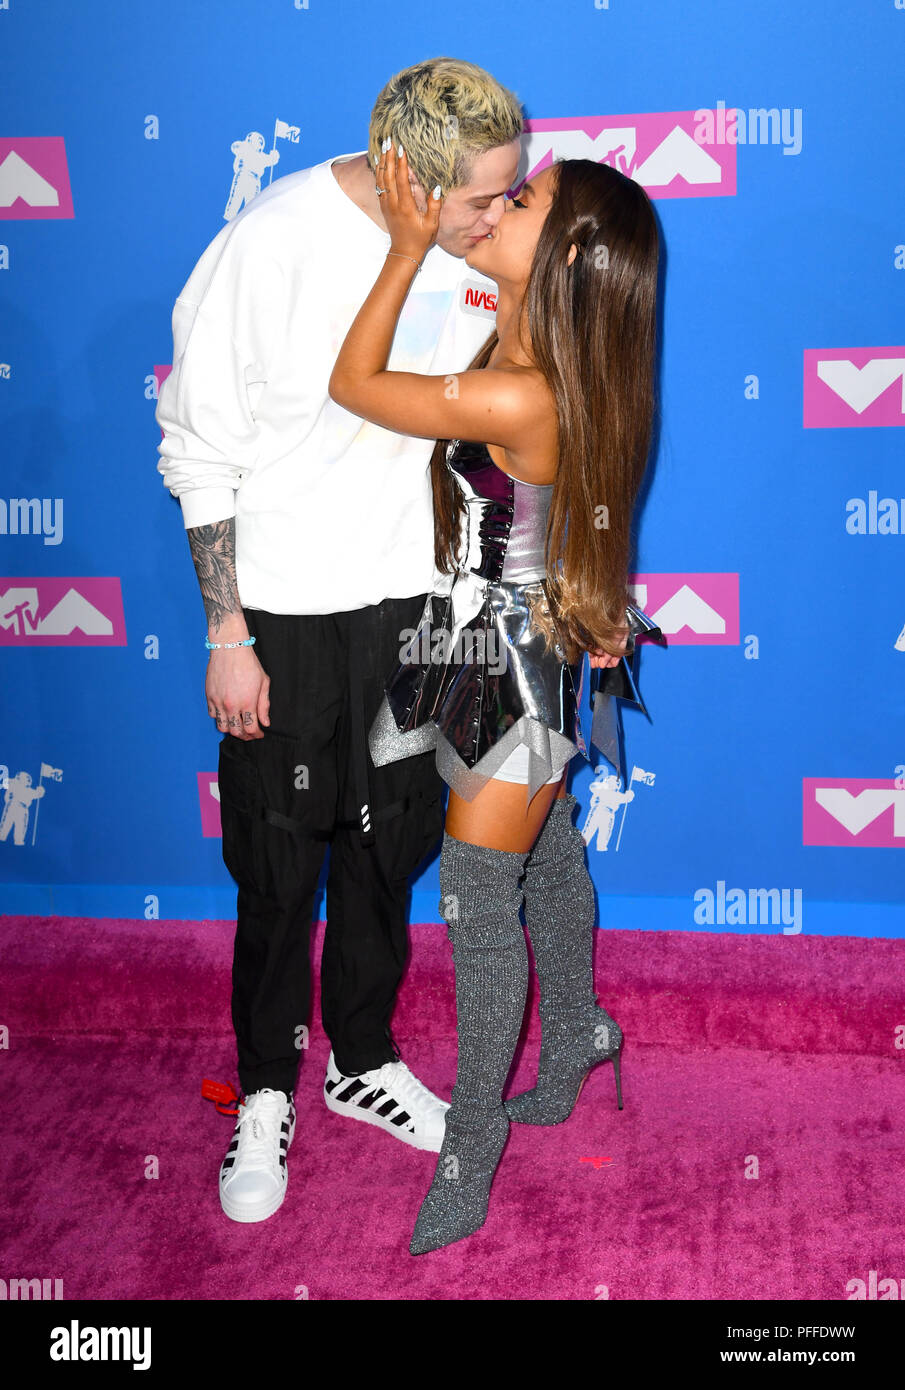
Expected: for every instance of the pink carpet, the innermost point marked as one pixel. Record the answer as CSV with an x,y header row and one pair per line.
x,y
738,1048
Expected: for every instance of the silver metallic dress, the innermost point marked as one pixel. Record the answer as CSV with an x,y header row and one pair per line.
x,y
475,680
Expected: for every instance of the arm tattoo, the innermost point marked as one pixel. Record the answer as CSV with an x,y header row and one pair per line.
x,y
213,550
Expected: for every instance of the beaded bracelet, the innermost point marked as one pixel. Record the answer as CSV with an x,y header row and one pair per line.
x,y
215,646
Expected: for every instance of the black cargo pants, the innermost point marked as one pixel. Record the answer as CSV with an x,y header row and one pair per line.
x,y
309,783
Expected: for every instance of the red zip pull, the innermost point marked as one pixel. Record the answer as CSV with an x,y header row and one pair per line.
x,y
221,1093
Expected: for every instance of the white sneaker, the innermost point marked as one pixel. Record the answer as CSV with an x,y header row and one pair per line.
x,y
253,1175
392,1098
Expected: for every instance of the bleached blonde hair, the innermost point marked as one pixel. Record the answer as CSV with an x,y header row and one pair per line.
x,y
445,113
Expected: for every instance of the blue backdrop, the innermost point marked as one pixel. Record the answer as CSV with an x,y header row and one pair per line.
x,y
771,533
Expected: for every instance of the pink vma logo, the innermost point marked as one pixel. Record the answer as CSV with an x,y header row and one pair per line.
x,y
853,812
209,802
661,150
854,387
34,178
690,609
52,612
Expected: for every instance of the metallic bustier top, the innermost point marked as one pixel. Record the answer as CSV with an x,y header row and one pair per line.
x,y
507,519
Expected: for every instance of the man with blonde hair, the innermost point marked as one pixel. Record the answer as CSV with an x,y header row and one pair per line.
x,y
311,532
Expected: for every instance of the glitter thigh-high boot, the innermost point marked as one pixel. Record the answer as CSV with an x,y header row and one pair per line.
x,y
480,901
576,1033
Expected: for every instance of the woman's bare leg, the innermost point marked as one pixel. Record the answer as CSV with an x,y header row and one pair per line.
x,y
500,816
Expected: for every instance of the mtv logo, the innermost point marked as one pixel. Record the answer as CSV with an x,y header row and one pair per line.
x,y
852,387
209,802
34,178
853,812
690,609
61,612
657,149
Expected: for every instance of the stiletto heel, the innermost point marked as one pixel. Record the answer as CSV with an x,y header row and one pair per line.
x,y
617,1068
564,1070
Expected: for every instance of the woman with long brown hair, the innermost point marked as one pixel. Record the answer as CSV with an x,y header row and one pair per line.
x,y
542,446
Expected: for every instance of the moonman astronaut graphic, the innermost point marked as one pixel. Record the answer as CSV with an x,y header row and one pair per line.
x,y
606,798
251,159
18,797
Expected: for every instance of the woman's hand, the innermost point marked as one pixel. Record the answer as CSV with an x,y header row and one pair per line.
x,y
412,232
603,659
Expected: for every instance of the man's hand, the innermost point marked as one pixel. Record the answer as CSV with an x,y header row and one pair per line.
x,y
237,686
238,692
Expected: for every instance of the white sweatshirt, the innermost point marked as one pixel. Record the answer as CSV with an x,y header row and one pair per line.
x,y
332,512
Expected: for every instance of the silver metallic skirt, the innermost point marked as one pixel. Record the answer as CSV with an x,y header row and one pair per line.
x,y
476,680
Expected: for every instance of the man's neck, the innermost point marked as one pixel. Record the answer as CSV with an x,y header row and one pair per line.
x,y
356,179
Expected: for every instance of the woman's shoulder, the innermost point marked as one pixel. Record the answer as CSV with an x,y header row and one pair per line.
x,y
534,459
524,378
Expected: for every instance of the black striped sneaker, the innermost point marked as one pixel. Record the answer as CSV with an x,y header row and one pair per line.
x,y
392,1098
253,1175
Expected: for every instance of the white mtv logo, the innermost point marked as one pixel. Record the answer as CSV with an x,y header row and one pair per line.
x,y
855,812
19,180
19,610
678,153
859,387
685,608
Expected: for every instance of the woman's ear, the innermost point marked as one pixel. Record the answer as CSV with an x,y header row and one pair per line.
x,y
573,252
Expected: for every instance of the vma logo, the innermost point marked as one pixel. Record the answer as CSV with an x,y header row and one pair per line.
x,y
690,609
209,802
53,612
853,812
658,149
475,298
34,178
854,387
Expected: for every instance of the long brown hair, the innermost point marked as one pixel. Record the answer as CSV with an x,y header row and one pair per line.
x,y
592,328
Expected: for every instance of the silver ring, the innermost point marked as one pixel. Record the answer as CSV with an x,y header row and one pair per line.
x,y
379,190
